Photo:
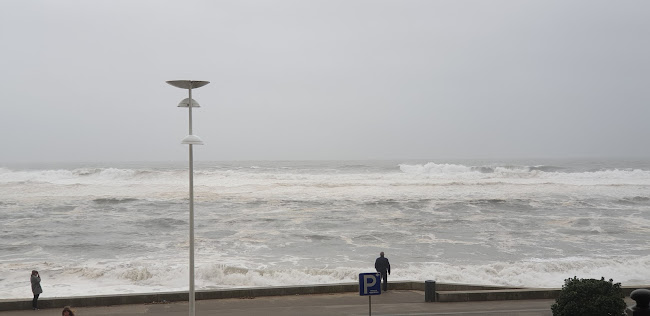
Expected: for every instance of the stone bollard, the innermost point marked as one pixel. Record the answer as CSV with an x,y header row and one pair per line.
x,y
430,291
642,307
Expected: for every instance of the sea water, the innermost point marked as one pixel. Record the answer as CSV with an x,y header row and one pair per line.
x,y
124,227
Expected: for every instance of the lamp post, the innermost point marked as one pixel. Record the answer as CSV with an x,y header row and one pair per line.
x,y
191,140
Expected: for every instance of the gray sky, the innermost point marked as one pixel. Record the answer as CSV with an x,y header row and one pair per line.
x,y
310,79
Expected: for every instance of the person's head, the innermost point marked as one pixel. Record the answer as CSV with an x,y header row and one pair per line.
x,y
67,311
34,272
381,254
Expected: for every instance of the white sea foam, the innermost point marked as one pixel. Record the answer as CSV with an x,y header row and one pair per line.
x,y
430,174
148,276
123,228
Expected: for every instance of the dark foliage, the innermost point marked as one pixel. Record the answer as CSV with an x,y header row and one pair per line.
x,y
589,297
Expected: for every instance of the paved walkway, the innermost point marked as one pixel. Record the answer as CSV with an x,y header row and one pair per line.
x,y
393,303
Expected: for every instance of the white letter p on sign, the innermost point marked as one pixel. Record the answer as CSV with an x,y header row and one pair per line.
x,y
368,282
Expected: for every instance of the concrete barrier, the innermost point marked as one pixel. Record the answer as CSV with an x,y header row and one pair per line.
x,y
152,298
445,292
509,294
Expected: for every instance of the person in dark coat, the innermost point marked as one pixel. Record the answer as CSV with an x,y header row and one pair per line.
x,y
36,288
383,266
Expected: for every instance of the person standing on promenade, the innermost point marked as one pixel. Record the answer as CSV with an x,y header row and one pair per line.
x,y
383,266
36,288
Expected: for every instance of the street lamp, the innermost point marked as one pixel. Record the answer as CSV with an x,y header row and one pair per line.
x,y
190,140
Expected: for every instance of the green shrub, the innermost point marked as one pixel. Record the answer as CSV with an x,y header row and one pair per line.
x,y
589,297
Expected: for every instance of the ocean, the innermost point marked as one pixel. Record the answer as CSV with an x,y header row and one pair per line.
x,y
118,228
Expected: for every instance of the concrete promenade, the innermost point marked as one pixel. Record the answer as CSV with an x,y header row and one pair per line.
x,y
393,303
403,299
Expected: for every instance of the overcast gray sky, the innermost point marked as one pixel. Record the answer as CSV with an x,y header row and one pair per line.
x,y
337,79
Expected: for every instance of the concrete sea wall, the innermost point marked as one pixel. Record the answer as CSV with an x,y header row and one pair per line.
x,y
444,292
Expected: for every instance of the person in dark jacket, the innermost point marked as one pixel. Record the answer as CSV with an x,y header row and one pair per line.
x,y
36,288
383,266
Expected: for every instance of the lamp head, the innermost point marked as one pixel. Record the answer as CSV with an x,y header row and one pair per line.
x,y
186,103
192,140
187,84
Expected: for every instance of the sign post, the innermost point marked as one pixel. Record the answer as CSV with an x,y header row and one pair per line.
x,y
369,285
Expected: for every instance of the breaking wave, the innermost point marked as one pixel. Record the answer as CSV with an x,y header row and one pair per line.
x,y
147,276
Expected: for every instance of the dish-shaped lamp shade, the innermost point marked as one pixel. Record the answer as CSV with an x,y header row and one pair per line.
x,y
187,84
186,102
192,140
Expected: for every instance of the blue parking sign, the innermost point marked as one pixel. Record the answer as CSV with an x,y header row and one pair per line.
x,y
369,283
